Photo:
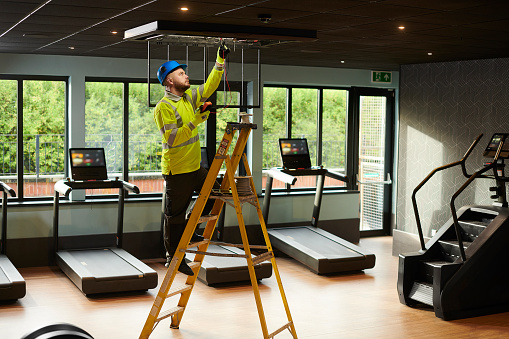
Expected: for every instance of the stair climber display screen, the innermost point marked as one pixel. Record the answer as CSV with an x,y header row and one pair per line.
x,y
492,147
462,271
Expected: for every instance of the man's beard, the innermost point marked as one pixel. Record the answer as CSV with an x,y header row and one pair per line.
x,y
182,87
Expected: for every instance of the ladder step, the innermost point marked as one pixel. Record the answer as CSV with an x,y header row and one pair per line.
x,y
217,254
169,313
194,264
178,290
207,217
227,197
198,243
262,257
281,329
219,243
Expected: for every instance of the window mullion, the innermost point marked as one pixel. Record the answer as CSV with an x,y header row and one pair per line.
x,y
19,145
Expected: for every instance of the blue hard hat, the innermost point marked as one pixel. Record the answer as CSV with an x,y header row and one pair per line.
x,y
167,68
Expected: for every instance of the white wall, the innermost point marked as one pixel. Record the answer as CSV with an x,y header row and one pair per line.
x,y
29,221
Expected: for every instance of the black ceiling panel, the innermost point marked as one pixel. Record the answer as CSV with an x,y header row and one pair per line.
x,y
350,33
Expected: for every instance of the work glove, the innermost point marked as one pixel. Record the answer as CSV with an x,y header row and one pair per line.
x,y
222,53
200,117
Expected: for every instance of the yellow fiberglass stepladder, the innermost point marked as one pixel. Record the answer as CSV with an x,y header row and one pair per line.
x,y
228,183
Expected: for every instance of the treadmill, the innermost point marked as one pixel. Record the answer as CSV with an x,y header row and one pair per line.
x,y
99,270
316,248
217,270
12,284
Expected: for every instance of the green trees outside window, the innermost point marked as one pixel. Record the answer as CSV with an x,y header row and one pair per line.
x,y
296,112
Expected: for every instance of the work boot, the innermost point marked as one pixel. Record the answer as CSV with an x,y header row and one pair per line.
x,y
196,237
183,268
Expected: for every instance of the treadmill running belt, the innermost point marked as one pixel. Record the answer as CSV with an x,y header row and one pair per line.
x,y
319,243
104,263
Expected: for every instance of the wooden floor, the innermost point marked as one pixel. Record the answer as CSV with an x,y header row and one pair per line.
x,y
361,305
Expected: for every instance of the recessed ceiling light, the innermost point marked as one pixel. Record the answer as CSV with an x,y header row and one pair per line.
x,y
429,53
401,27
114,32
71,47
184,9
342,61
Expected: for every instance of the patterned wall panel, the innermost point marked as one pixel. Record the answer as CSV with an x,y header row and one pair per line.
x,y
443,108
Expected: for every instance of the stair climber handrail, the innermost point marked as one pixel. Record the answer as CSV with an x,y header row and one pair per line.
x,y
463,187
431,174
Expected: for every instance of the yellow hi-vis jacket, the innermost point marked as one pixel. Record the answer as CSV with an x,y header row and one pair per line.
x,y
173,115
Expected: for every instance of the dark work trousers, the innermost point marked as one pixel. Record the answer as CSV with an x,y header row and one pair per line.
x,y
179,193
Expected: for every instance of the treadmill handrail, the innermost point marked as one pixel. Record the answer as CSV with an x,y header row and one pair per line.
x,y
66,186
337,176
130,187
62,188
7,189
462,188
281,176
430,175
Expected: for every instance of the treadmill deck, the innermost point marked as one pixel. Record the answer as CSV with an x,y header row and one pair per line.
x,y
320,250
106,270
216,270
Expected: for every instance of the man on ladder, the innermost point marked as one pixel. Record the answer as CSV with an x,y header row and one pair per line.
x,y
177,116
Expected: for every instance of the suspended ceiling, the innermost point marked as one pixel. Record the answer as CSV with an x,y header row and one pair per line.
x,y
349,33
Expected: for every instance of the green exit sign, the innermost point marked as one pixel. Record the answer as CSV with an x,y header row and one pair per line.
x,y
385,77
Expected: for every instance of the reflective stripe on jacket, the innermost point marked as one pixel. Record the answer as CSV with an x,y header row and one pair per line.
x,y
179,137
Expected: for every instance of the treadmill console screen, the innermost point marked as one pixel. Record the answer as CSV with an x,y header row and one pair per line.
x,y
492,147
294,147
295,153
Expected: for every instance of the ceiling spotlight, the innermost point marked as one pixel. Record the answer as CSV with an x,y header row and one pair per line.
x,y
71,47
401,27
265,18
114,32
429,53
342,61
184,9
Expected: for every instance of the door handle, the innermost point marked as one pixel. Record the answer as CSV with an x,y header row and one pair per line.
x,y
386,182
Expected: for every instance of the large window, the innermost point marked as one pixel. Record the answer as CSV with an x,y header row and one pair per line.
x,y
32,134
144,141
118,119
317,114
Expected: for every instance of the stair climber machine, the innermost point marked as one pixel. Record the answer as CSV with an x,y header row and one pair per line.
x,y
463,270
12,284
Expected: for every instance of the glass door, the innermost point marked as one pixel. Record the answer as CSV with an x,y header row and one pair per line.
x,y
373,110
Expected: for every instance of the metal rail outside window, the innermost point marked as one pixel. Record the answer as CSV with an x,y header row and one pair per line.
x,y
431,174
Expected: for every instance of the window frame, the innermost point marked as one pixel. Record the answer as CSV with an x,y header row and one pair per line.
x,y
319,130
19,130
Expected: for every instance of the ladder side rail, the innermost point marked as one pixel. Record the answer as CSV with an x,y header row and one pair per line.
x,y
150,323
429,176
179,256
269,249
245,241
207,187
